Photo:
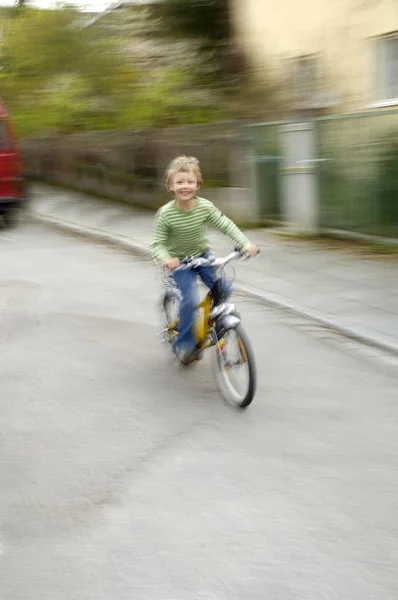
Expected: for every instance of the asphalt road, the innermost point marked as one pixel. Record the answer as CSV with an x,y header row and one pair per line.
x,y
122,477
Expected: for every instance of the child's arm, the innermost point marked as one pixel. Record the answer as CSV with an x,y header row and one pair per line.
x,y
159,245
228,227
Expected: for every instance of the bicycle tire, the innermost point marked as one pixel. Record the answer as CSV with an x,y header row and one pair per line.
x,y
225,387
170,299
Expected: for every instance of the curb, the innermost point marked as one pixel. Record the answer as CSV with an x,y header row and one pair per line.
x,y
272,300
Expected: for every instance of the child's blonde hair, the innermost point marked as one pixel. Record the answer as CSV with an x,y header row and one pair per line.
x,y
183,164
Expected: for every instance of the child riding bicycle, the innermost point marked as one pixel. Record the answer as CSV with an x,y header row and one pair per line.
x,y
180,232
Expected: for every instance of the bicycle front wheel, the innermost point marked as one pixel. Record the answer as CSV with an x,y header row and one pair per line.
x,y
171,307
235,368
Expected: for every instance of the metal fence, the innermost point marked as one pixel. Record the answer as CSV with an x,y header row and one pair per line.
x,y
354,168
129,165
358,172
138,156
267,155
355,163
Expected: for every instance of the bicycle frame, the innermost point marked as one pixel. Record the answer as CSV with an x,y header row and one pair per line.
x,y
201,326
217,323
223,316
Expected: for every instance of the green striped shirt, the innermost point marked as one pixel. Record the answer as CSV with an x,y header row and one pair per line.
x,y
179,234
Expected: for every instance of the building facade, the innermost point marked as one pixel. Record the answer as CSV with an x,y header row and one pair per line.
x,y
334,56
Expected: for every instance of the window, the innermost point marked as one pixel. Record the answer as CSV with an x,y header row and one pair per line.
x,y
4,142
305,77
387,68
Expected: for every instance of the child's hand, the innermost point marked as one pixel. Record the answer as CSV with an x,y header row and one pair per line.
x,y
250,249
172,263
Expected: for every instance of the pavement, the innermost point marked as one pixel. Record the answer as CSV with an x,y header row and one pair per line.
x,y
124,477
334,285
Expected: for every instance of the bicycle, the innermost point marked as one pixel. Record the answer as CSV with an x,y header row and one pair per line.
x,y
218,324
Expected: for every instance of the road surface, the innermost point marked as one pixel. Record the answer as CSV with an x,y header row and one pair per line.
x,y
124,478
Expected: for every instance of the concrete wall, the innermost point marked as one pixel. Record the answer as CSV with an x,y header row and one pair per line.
x,y
273,32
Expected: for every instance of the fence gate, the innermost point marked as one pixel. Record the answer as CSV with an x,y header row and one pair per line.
x,y
300,177
267,158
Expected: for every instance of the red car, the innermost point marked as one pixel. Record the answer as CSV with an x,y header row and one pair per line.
x,y
12,187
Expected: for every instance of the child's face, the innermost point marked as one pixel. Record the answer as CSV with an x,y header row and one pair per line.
x,y
184,186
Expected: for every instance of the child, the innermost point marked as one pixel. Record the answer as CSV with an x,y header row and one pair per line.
x,y
181,231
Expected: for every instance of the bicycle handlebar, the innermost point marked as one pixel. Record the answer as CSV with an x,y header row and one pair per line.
x,y
212,261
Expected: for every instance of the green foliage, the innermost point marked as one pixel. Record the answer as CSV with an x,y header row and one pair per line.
x,y
205,19
164,103
60,77
37,45
208,22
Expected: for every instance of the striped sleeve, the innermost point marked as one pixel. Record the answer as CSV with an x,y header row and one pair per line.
x,y
226,226
159,245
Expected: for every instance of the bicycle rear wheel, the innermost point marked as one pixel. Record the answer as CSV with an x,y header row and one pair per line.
x,y
235,368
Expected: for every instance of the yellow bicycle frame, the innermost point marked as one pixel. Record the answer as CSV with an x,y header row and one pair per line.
x,y
201,325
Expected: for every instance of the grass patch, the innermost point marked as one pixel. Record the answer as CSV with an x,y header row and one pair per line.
x,y
304,237
368,247
250,225
390,249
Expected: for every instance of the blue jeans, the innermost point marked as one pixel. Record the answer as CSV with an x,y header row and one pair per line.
x,y
186,283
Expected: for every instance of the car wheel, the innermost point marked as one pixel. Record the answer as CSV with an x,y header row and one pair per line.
x,y
10,217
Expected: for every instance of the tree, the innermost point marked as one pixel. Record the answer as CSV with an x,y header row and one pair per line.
x,y
208,19
209,23
58,75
